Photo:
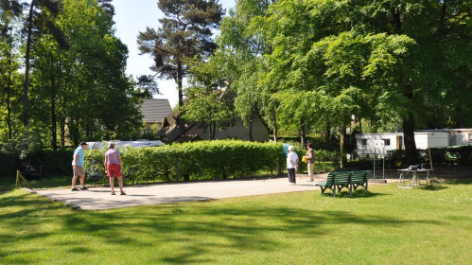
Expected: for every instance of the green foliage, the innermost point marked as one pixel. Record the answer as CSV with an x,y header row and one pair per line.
x,y
209,101
185,33
288,228
199,160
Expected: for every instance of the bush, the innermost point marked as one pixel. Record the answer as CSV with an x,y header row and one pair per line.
x,y
9,163
198,160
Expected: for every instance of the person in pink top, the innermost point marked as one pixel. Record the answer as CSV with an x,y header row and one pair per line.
x,y
113,166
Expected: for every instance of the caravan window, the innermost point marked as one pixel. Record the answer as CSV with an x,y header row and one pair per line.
x,y
386,142
470,137
364,141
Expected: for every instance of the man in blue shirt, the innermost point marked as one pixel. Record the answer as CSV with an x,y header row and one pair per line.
x,y
78,166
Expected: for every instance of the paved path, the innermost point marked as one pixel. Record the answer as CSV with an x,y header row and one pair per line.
x,y
99,198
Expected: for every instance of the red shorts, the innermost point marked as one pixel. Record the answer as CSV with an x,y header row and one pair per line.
x,y
113,170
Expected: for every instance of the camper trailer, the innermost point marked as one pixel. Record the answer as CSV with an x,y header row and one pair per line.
x,y
369,144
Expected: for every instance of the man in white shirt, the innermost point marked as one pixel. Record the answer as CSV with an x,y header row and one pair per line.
x,y
292,165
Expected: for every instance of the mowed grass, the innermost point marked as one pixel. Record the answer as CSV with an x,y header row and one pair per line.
x,y
392,226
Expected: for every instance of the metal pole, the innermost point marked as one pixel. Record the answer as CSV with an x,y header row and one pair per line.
x,y
374,164
383,167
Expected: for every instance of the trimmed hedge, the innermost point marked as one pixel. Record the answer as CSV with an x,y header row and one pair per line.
x,y
9,163
198,160
47,161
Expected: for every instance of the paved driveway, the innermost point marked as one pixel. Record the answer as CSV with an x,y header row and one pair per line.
x,y
99,198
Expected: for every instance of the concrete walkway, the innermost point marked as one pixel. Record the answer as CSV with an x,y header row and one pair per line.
x,y
99,198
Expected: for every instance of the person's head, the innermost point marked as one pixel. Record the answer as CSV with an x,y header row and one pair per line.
x,y
111,146
309,146
291,148
83,144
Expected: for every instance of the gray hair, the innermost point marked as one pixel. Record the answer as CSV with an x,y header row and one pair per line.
x,y
111,145
291,148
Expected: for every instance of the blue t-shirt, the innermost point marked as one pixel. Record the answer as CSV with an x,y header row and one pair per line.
x,y
80,160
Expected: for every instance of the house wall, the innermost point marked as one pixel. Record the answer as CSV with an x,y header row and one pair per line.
x,y
260,132
238,131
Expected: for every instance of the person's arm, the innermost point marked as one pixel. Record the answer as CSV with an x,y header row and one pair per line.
x,y
294,164
309,156
76,160
105,162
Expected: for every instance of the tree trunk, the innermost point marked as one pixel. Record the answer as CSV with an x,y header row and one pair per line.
x,y
27,65
53,107
250,131
181,97
342,138
302,133
63,119
53,122
8,99
275,131
409,138
214,130
328,131
63,132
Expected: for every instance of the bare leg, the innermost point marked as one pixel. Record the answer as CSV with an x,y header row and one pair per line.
x,y
120,182
74,180
82,180
112,184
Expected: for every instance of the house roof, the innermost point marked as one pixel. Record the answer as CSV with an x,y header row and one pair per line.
x,y
155,110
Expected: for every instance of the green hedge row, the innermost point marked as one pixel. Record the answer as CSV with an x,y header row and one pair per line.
x,y
47,162
9,163
198,160
189,161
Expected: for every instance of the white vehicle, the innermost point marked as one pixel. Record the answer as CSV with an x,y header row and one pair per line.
x,y
123,144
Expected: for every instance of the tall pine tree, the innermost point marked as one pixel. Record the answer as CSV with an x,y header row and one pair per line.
x,y
185,32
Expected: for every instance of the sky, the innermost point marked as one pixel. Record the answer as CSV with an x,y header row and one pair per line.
x,y
133,16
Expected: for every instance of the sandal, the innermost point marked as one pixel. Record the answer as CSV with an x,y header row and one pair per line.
x,y
122,193
112,193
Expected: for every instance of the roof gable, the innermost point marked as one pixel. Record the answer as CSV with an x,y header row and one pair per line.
x,y
155,110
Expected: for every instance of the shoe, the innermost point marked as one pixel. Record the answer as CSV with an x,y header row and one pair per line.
x,y
122,193
112,193
84,188
74,189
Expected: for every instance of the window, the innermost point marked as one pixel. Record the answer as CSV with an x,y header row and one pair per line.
x,y
386,142
470,137
363,141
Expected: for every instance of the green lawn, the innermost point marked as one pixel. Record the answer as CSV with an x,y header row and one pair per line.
x,y
393,226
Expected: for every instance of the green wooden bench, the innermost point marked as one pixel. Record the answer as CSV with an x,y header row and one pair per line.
x,y
350,180
359,179
328,184
341,181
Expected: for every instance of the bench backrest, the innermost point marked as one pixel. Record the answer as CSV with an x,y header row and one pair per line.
x,y
359,176
329,178
341,177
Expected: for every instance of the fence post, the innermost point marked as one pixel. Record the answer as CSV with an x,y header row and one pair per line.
x,y
18,176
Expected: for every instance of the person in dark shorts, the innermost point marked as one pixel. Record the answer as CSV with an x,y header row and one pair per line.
x,y
292,165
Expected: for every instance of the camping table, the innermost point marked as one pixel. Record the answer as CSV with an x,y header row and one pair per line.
x,y
415,181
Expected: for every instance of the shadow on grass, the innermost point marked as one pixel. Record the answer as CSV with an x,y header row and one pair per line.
x,y
197,228
459,181
433,188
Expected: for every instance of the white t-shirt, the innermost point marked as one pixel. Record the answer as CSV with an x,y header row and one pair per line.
x,y
292,156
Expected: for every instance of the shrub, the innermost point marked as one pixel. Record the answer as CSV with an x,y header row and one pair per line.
x,y
198,160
